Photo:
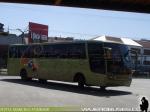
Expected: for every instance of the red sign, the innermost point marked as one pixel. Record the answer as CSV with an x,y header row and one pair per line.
x,y
38,33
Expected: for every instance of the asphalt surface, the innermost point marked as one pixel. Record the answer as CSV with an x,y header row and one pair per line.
x,y
15,92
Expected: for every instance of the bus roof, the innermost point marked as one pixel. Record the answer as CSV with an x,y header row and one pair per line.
x,y
75,41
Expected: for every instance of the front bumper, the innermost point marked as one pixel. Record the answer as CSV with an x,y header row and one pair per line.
x,y
118,80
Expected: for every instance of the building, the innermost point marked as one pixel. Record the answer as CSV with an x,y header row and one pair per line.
x,y
144,65
5,40
145,51
125,41
1,27
60,39
10,39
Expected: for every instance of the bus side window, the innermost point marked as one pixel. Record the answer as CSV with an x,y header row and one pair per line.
x,y
20,51
47,51
36,51
65,51
13,52
76,51
30,53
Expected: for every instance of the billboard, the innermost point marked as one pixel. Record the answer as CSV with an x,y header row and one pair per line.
x,y
38,33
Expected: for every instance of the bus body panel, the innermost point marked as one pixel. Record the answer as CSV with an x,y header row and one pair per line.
x,y
65,69
51,69
13,66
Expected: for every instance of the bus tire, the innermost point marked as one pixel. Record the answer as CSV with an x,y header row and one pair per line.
x,y
81,82
103,88
42,81
23,74
80,79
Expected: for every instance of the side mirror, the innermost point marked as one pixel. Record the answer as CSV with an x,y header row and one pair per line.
x,y
107,53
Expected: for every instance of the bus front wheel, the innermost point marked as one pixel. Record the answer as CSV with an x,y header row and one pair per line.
x,y
81,82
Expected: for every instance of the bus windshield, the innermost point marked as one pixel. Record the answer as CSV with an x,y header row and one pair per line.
x,y
119,58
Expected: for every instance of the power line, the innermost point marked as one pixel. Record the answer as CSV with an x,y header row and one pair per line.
x,y
74,33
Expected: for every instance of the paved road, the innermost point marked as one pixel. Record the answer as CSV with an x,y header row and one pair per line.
x,y
14,92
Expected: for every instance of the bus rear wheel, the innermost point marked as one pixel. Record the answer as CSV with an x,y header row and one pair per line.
x,y
23,74
42,81
103,88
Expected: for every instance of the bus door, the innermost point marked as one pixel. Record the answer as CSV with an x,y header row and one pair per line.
x,y
113,59
96,63
96,57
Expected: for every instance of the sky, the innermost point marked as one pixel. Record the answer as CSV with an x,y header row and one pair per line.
x,y
79,23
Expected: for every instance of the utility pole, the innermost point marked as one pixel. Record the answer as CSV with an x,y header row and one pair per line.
x,y
22,35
